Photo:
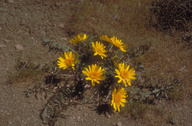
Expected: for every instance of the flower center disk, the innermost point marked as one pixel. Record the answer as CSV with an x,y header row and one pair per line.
x,y
124,74
117,99
98,50
69,61
93,75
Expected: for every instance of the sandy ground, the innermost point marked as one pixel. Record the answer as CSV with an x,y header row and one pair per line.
x,y
22,26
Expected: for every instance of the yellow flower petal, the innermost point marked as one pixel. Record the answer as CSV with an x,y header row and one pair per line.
x,y
79,38
105,38
99,49
94,73
118,43
68,59
118,98
125,74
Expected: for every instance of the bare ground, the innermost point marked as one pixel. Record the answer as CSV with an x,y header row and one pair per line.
x,y
23,23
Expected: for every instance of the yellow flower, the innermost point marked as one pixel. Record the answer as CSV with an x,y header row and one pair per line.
x,y
125,74
99,49
105,38
68,59
118,43
80,37
94,73
118,98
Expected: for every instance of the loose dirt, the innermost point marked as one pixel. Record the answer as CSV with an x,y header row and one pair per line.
x,y
23,23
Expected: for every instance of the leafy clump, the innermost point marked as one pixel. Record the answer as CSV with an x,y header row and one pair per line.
x,y
27,70
98,70
136,109
95,63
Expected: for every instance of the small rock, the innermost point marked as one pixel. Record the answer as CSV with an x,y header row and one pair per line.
x,y
108,116
6,40
10,1
78,118
46,3
80,109
65,39
2,45
57,4
61,25
94,120
119,124
19,47
85,114
26,14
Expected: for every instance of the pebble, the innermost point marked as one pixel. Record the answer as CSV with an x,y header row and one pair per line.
x,y
108,116
119,124
78,118
2,45
61,25
26,14
10,1
6,40
58,4
65,39
80,109
19,47
85,114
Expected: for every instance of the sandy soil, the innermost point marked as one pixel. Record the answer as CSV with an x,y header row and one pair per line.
x,y
22,26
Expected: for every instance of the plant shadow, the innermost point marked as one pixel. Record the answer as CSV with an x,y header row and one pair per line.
x,y
105,109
